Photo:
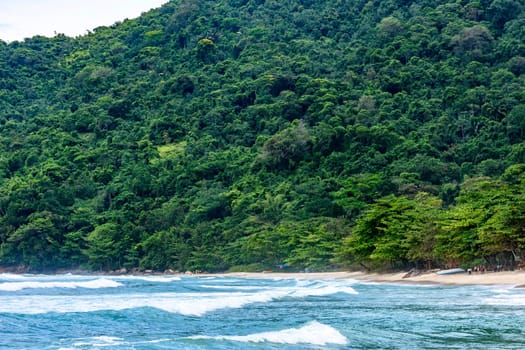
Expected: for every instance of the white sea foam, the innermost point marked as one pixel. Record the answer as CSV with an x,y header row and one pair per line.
x,y
321,288
160,279
194,304
198,304
314,333
236,287
8,277
93,284
202,303
11,277
303,288
191,304
101,341
109,342
506,299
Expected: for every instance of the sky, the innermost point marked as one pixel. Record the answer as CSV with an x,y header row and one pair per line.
x,y
21,19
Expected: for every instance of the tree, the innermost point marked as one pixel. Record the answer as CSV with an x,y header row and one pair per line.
x,y
502,11
286,148
357,192
421,235
377,235
473,43
502,235
37,242
390,26
103,247
206,50
314,243
164,250
515,123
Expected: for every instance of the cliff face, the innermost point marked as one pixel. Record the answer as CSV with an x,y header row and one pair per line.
x,y
243,134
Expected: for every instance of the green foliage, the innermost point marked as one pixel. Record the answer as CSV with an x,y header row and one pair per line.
x,y
395,232
164,250
211,135
102,246
286,148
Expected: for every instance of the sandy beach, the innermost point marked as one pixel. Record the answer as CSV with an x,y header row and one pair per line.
x,y
513,278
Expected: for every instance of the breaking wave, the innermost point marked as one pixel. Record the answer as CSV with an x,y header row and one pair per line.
x,y
190,304
93,284
159,279
314,333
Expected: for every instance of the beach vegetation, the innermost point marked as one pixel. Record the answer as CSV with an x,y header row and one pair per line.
x,y
209,136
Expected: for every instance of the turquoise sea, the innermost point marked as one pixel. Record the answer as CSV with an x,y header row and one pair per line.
x,y
170,312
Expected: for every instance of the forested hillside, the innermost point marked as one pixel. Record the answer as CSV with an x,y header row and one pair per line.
x,y
241,134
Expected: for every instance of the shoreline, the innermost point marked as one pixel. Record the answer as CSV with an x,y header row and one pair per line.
x,y
509,278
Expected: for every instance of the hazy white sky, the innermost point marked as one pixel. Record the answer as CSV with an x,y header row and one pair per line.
x,y
21,19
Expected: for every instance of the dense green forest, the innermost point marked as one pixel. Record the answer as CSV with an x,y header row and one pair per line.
x,y
241,134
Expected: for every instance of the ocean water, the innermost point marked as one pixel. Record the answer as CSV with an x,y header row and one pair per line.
x,y
68,312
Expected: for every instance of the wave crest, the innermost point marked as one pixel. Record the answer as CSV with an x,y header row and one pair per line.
x,y
93,284
189,304
314,333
